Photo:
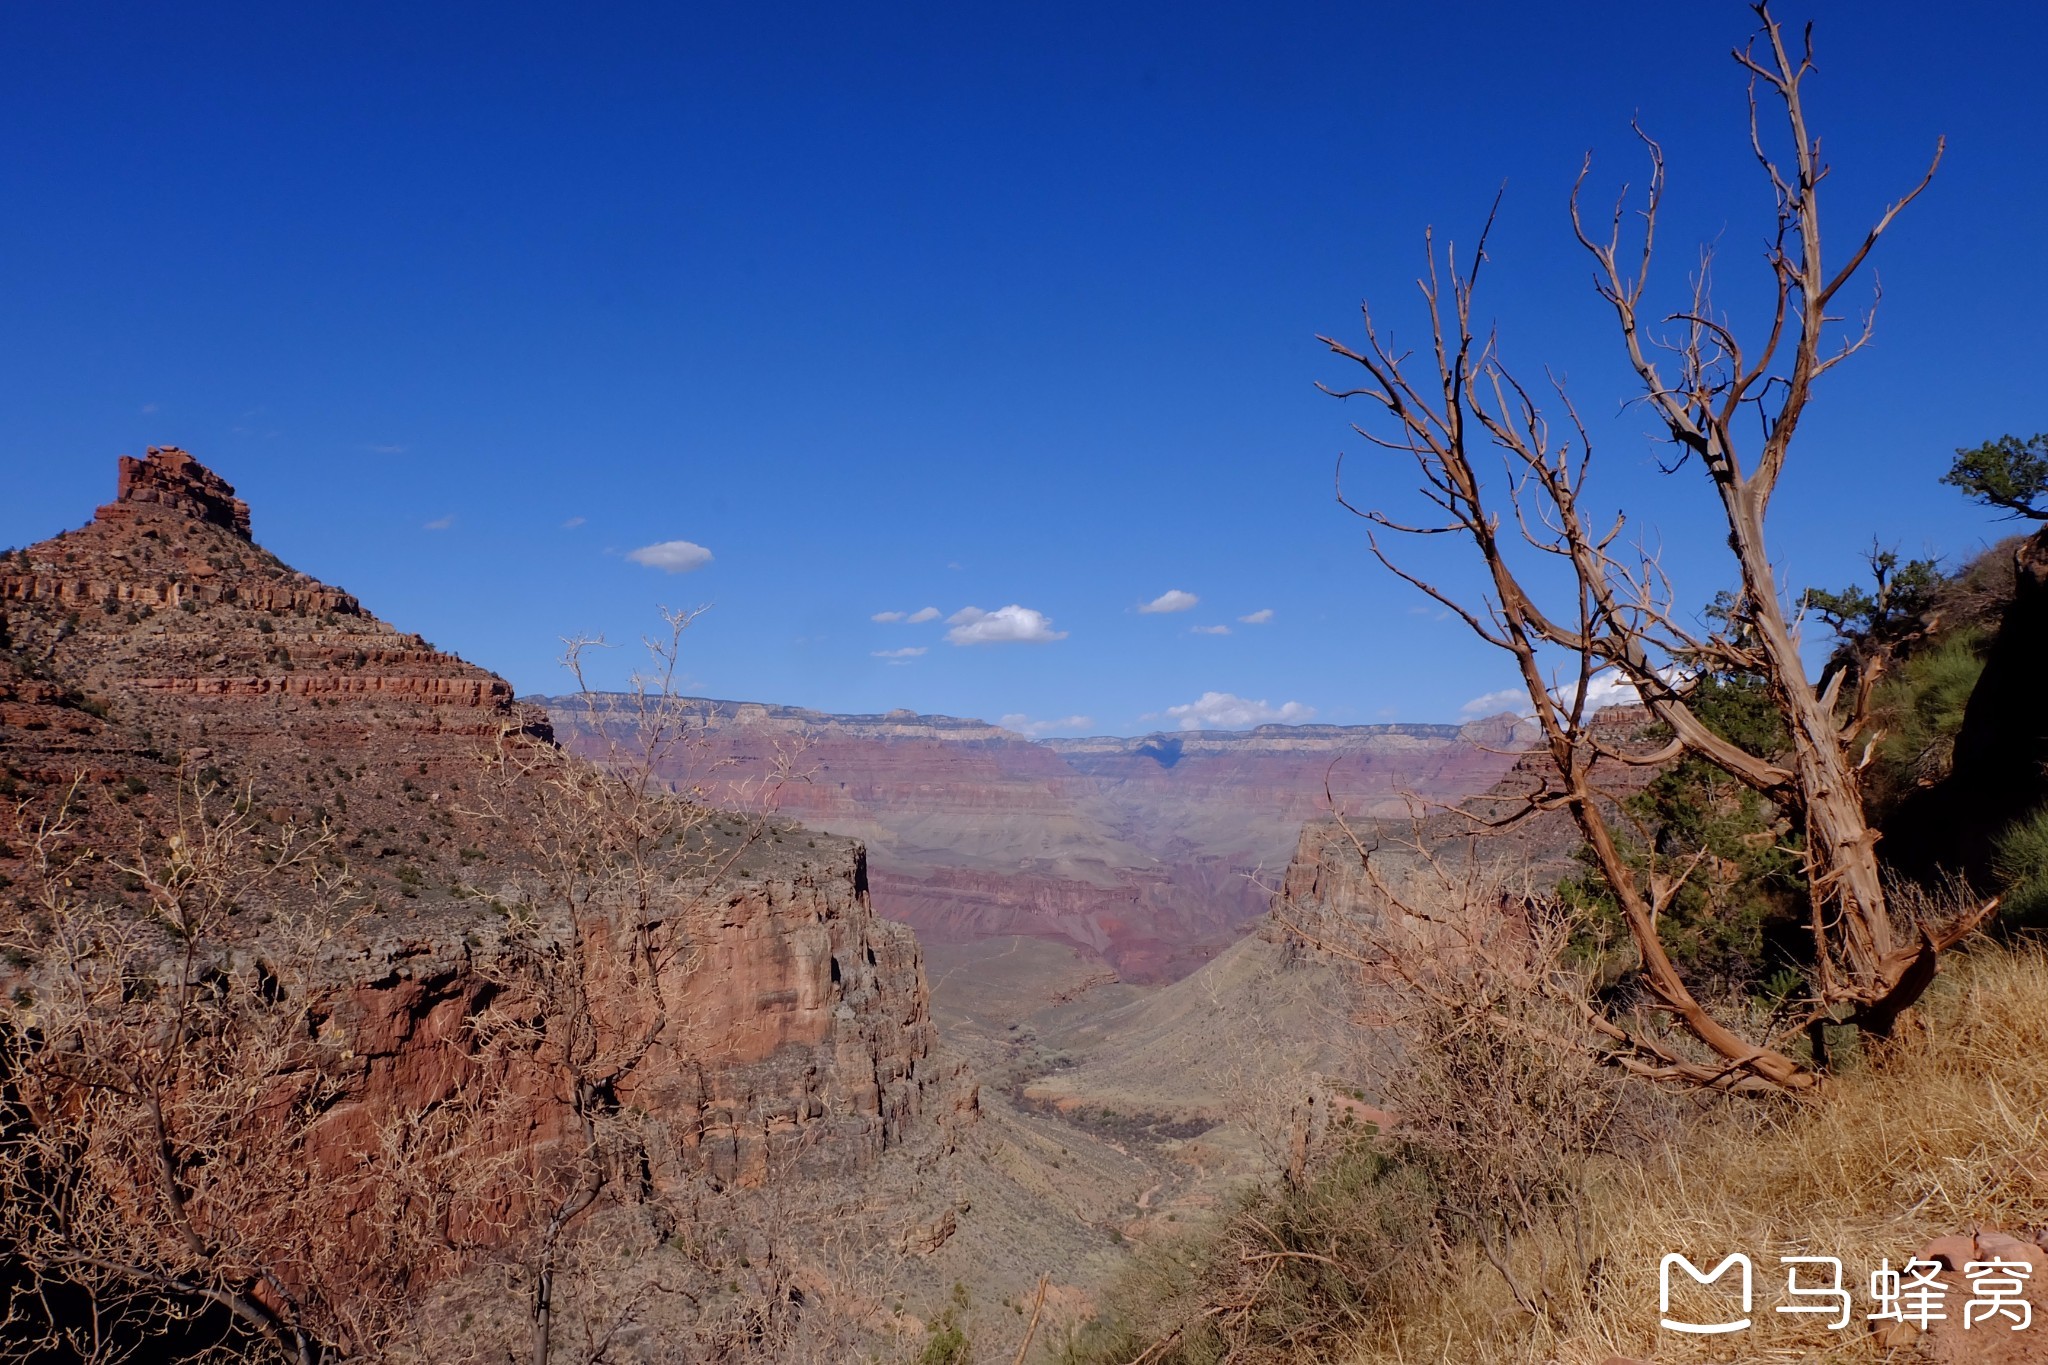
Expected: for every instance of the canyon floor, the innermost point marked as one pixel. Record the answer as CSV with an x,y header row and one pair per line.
x,y
1093,920
1114,1114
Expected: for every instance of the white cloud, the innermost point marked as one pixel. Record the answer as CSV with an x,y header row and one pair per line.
x,y
1493,703
1259,617
910,652
1173,599
1024,725
387,450
671,556
573,522
908,618
1209,630
440,523
1223,711
1604,689
1607,689
148,408
886,616
973,626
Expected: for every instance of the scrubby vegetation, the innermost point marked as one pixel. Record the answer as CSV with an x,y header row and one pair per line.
x,y
1915,641
1370,1259
1734,922
1918,711
2022,868
1296,1267
1519,1204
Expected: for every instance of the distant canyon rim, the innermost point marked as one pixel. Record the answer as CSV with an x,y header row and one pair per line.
x,y
1147,855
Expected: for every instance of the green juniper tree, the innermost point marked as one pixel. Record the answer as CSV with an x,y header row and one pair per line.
x,y
2007,473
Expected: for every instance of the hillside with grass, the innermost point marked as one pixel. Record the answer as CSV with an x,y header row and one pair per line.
x,y
1370,1261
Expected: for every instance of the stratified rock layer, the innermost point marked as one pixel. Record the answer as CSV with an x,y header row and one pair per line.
x,y
1150,852
159,649
167,477
799,1044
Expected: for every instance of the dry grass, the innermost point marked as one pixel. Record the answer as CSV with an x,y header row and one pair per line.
x,y
1944,1135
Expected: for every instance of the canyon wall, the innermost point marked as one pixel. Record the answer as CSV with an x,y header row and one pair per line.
x,y
158,652
798,1044
1151,853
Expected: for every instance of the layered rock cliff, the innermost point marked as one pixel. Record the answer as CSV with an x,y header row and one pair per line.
x,y
1150,853
801,1035
158,653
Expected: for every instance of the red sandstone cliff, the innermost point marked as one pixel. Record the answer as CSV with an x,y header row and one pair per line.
x,y
159,646
1151,853
800,1039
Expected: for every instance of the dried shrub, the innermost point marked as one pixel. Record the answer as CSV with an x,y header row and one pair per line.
x,y
166,1073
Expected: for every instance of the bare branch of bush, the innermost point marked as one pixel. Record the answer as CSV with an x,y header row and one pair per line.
x,y
161,1158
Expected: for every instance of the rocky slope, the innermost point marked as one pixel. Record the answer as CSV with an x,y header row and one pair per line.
x,y
160,639
1149,853
1325,884
158,653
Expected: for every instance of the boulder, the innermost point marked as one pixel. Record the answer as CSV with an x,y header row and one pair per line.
x,y
1998,1341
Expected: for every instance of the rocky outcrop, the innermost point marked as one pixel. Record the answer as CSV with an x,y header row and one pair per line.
x,y
169,478
802,1044
814,1018
159,652
1326,886
159,642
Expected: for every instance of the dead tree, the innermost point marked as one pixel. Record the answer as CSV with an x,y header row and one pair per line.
x,y
1617,621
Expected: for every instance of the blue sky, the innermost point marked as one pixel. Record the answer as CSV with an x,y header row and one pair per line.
x,y
898,307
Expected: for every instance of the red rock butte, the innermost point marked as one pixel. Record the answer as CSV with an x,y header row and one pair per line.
x,y
159,648
170,478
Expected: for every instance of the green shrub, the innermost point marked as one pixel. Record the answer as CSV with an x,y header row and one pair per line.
x,y
1306,1266
1736,920
945,1342
2020,861
1920,709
